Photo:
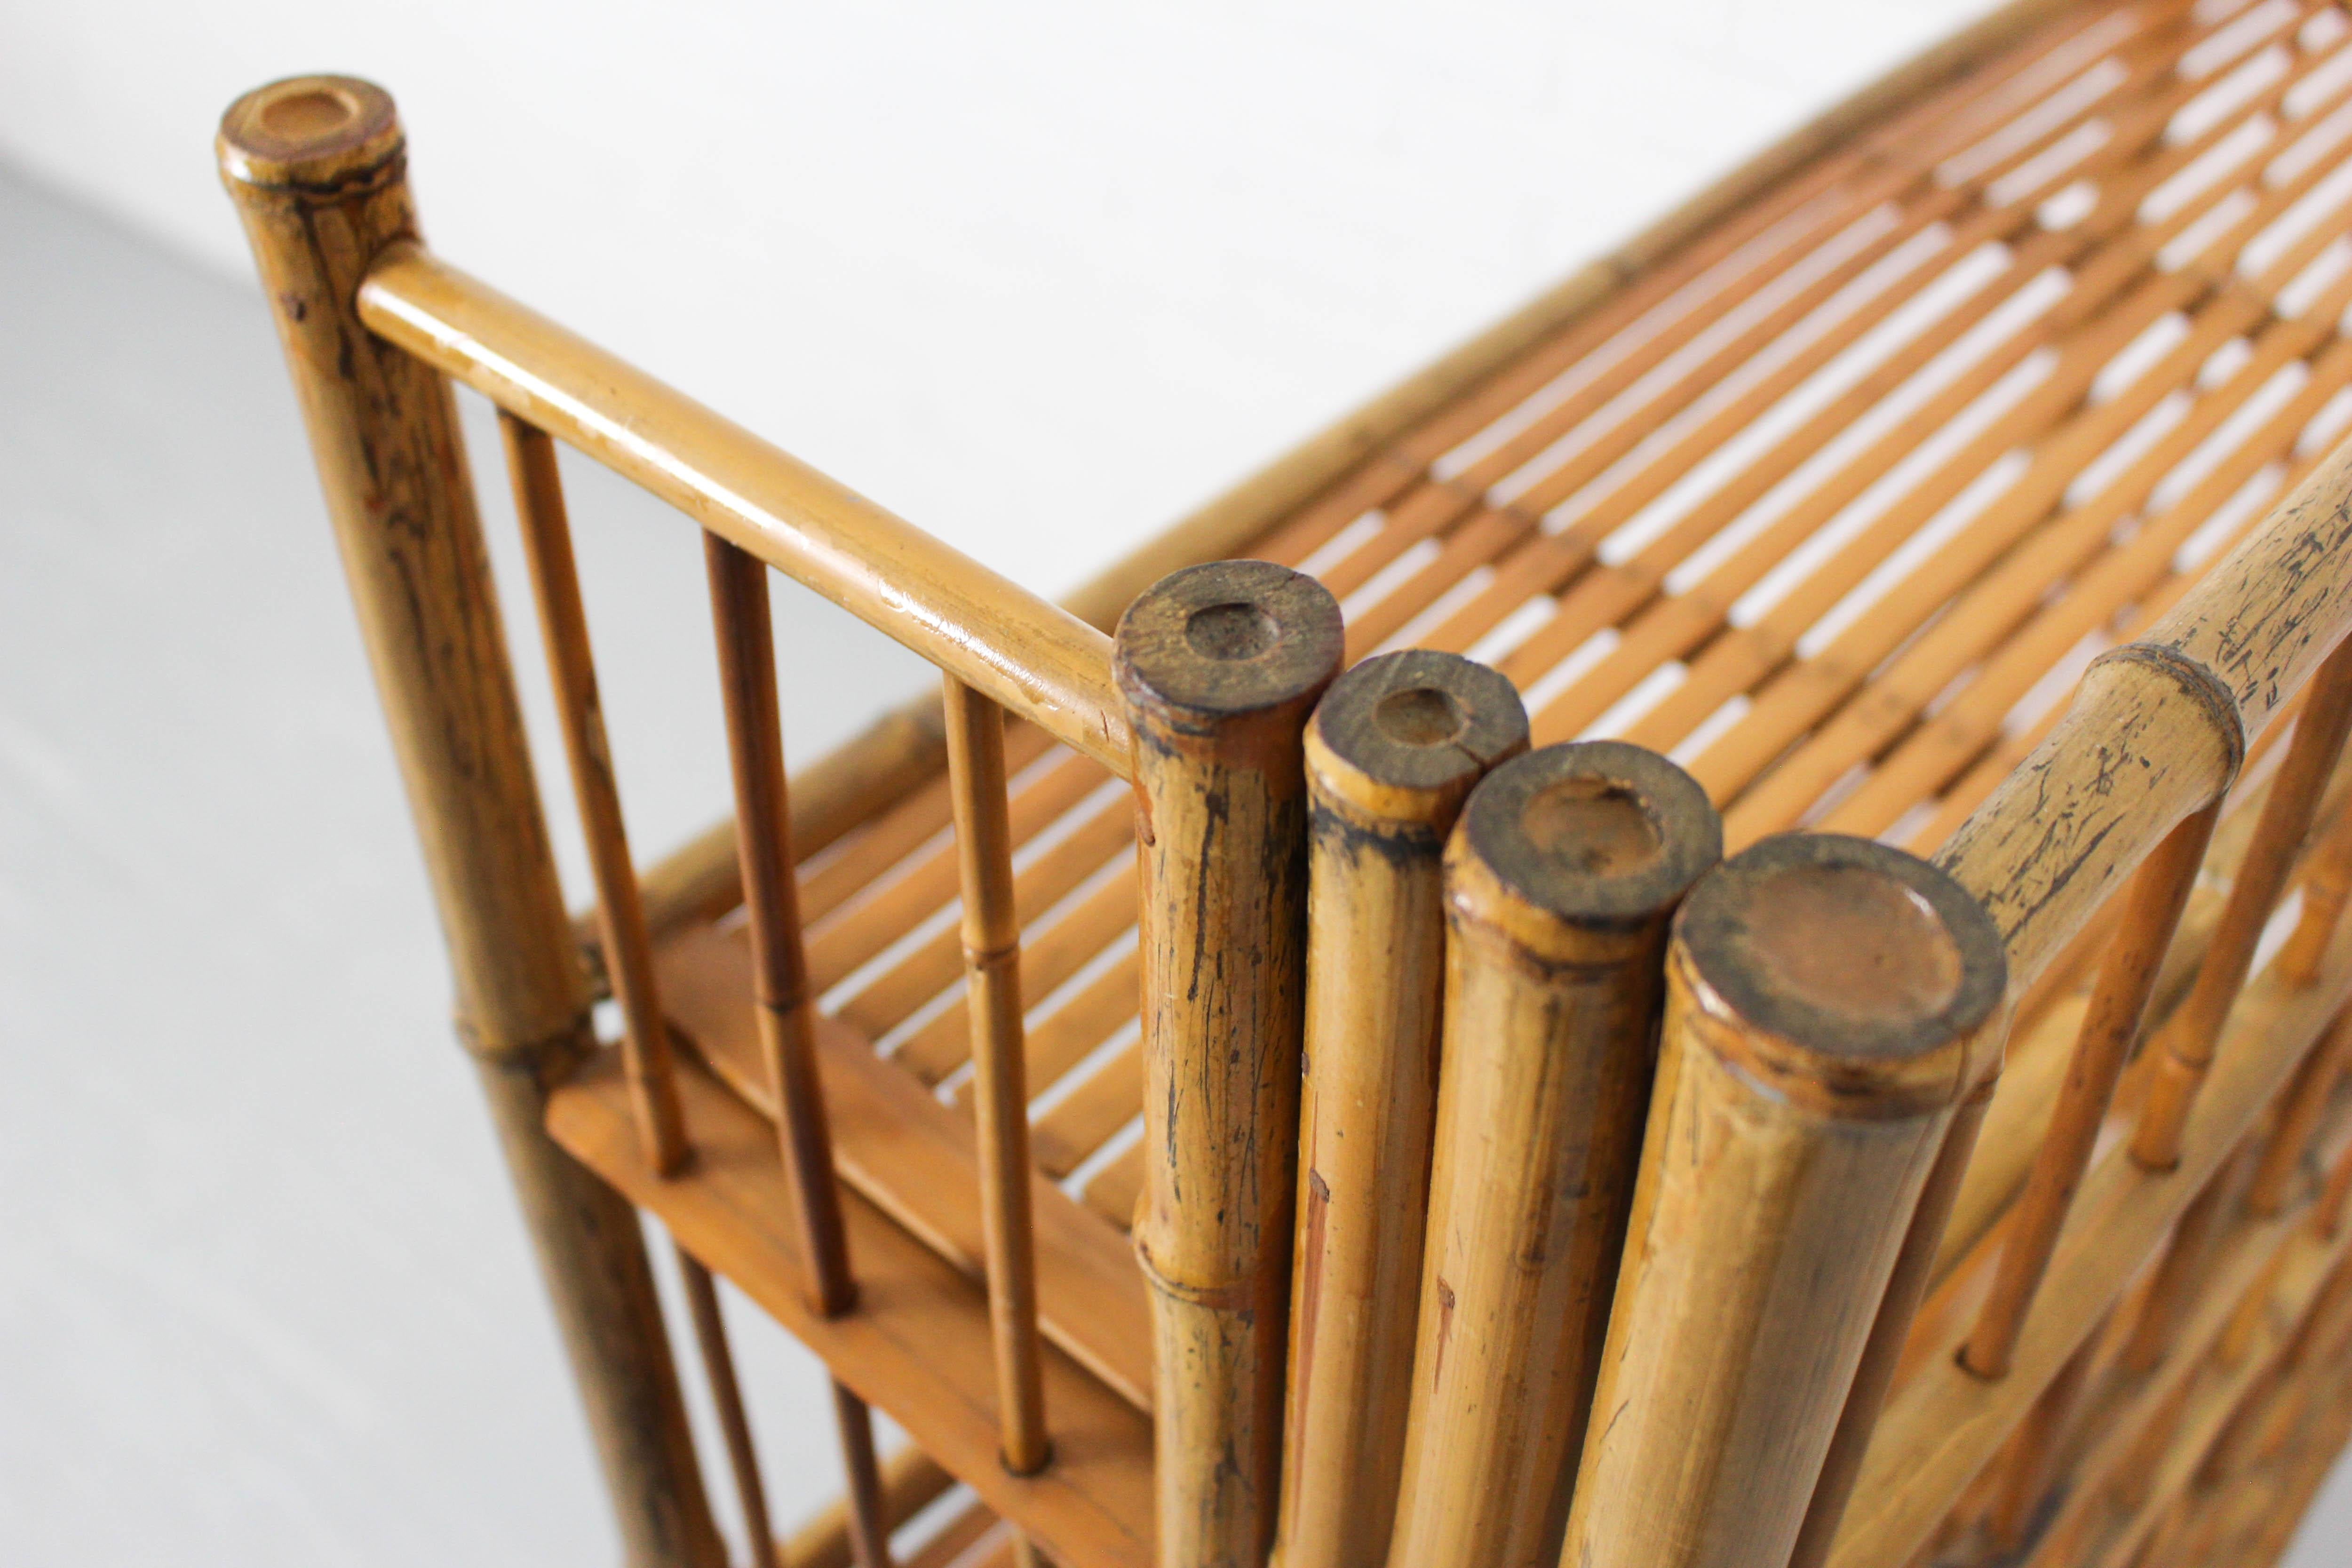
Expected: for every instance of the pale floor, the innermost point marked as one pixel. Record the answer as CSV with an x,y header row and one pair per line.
x,y
263,1299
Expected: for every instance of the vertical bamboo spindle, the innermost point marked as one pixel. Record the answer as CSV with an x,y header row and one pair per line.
x,y
1559,882
628,950
2171,1289
1219,666
1829,1001
1391,753
2157,892
727,1399
2327,884
2184,1047
2032,1454
571,669
2282,1153
992,967
317,169
787,1011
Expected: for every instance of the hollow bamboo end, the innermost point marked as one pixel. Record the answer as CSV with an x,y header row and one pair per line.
x,y
1581,842
1848,975
1404,737
1225,642
314,132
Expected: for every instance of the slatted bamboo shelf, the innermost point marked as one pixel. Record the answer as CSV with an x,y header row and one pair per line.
x,y
1829,490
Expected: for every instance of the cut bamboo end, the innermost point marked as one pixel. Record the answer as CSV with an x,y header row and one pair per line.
x,y
1219,667
1399,742
314,132
1828,1002
1560,879
1848,975
1394,750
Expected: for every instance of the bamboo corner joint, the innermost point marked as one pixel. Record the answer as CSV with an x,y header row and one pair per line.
x,y
1851,1116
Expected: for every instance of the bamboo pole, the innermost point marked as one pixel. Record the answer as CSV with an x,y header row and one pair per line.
x,y
1559,880
911,1480
1829,1003
2290,1140
2183,1049
727,1400
580,713
1219,667
2032,1454
316,167
1392,752
992,949
2160,890
786,1005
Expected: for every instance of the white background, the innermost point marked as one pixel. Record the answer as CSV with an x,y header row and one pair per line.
x,y
1040,275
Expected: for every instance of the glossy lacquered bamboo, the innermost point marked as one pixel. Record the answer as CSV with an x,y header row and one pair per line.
x,y
316,167
992,961
780,993
1393,750
1220,666
1031,656
2184,1047
1829,1002
1559,880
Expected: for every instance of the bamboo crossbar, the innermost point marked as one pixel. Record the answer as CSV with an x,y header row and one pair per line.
x,y
1035,658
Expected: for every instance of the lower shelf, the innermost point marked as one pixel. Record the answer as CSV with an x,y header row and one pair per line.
x,y
917,1345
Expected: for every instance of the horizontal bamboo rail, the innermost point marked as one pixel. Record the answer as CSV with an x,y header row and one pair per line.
x,y
1032,658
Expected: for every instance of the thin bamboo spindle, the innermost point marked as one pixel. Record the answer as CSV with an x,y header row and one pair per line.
x,y
2289,1142
991,966
2327,884
2158,892
627,945
316,167
1559,882
1392,753
1829,1003
2034,1452
2170,1291
911,1481
571,668
727,1399
2184,1047
787,1008
1220,666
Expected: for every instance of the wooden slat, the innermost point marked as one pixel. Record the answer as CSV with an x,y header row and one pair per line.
x,y
917,1342
918,1162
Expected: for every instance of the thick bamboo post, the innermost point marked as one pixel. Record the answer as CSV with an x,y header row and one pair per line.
x,y
1829,1001
1219,666
991,966
1882,1352
317,167
1561,879
2184,1047
1392,753
2153,902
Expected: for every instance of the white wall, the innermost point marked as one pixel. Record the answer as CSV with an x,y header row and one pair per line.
x,y
1039,274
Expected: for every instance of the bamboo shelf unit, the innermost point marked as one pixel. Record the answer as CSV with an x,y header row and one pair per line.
x,y
1962,483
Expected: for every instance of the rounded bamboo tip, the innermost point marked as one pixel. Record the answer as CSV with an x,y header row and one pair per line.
x,y
308,131
1596,839
1402,738
1847,975
1224,641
